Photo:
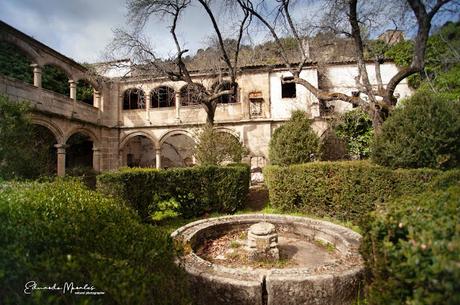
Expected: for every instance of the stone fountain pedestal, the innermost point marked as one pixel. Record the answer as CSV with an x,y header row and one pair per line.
x,y
263,242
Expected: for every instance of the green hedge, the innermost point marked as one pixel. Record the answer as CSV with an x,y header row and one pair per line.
x,y
195,190
62,232
412,249
345,190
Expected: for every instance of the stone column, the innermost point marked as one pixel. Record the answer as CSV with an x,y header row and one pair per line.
x,y
158,157
147,106
120,109
121,158
73,89
60,159
37,75
97,103
96,159
178,107
97,98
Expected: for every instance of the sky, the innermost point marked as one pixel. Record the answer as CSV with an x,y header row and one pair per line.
x,y
81,29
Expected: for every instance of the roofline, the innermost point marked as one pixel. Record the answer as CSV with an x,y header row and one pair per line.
x,y
248,68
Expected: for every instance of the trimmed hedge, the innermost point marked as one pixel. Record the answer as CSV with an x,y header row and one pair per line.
x,y
196,190
345,190
412,250
62,232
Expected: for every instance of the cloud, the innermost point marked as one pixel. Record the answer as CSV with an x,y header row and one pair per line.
x,y
78,29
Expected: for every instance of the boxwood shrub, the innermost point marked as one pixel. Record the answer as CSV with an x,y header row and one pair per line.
x,y
60,232
412,250
345,190
195,190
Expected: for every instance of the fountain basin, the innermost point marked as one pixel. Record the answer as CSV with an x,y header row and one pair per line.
x,y
332,274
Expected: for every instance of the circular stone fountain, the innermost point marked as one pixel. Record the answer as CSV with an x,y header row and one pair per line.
x,y
259,259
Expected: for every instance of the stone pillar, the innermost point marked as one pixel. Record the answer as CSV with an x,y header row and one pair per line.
x,y
120,109
121,158
97,98
60,159
158,157
73,89
178,107
37,75
97,103
147,106
96,159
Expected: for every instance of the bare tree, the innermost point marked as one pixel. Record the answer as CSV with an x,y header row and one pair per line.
x,y
135,45
380,98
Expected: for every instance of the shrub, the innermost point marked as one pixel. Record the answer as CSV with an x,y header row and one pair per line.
x,y
355,128
423,132
346,190
61,232
196,190
412,250
215,147
85,174
294,142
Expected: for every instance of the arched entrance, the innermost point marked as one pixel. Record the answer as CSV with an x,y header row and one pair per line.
x,y
79,152
139,151
177,150
44,151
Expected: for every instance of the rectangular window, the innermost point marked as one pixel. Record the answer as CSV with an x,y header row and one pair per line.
x,y
288,89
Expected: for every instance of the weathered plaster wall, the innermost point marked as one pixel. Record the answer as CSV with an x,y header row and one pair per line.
x,y
281,108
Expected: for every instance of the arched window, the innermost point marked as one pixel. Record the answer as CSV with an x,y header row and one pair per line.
x,y
133,98
85,92
228,98
163,97
55,79
15,63
192,94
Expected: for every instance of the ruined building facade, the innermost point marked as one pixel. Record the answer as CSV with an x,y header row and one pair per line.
x,y
153,122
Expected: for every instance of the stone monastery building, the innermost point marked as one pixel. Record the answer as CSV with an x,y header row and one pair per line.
x,y
153,123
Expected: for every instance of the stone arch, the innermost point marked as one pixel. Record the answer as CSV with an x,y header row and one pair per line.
x,y
176,132
128,137
139,149
226,85
133,98
177,149
82,151
62,66
191,94
57,132
93,82
86,132
162,96
25,48
230,131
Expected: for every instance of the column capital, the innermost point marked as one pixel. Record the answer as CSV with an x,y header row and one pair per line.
x,y
72,82
61,146
37,68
